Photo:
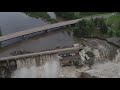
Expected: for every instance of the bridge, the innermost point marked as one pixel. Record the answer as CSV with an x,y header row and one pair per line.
x,y
37,29
18,36
47,27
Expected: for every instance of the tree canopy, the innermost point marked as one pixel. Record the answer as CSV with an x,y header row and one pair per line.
x,y
75,15
84,28
88,28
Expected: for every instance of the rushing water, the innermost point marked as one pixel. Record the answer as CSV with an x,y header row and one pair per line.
x,y
46,67
102,50
11,22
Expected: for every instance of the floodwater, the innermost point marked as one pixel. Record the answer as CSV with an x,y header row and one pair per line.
x,y
29,68
11,22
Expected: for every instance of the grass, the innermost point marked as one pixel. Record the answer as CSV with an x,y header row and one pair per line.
x,y
114,19
77,14
114,22
42,15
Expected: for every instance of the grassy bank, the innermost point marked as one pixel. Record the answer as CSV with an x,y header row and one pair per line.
x,y
89,28
108,27
42,15
114,25
75,15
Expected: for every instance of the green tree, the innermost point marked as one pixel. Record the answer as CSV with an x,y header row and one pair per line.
x,y
42,15
75,15
66,15
118,33
84,28
98,22
110,33
118,26
104,28
118,30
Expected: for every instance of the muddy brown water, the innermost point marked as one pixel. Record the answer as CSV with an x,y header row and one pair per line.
x,y
11,22
16,21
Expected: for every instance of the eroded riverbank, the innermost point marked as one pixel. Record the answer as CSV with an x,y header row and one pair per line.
x,y
106,61
96,57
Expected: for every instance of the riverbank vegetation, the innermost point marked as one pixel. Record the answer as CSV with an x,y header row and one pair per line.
x,y
42,15
91,28
97,27
114,25
75,15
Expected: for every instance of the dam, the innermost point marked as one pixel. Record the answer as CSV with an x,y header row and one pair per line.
x,y
35,65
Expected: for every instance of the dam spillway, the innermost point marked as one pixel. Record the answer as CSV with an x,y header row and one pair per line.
x,y
46,66
34,65
40,67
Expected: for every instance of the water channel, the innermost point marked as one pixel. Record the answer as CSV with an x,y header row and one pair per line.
x,y
11,22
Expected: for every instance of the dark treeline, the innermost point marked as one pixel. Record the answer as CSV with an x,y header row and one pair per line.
x,y
42,15
75,15
89,28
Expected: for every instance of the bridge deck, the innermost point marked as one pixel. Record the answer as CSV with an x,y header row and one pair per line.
x,y
37,29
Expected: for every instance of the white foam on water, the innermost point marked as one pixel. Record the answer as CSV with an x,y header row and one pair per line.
x,y
117,57
28,68
51,69
106,70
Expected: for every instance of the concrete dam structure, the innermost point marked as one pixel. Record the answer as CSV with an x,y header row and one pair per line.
x,y
34,65
47,66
